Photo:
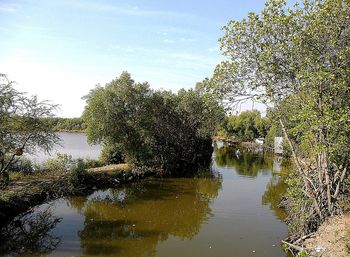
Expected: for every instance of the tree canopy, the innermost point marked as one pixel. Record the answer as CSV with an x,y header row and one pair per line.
x,y
297,58
246,126
152,128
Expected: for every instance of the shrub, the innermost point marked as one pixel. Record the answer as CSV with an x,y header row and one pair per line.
x,y
79,177
112,154
61,164
157,129
23,165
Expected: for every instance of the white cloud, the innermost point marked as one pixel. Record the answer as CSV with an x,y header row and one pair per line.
x,y
129,10
169,41
183,39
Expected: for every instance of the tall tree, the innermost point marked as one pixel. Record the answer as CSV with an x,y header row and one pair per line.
x,y
298,58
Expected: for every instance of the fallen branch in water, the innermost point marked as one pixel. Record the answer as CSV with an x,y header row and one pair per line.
x,y
293,246
304,237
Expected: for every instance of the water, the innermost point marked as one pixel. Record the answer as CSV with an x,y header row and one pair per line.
x,y
230,212
74,144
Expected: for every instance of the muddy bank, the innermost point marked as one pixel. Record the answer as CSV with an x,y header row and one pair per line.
x,y
20,196
332,239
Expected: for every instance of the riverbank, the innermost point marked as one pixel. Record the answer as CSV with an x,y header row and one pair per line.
x,y
332,238
27,192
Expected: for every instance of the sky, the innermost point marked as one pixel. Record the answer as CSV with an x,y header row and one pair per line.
x,y
60,49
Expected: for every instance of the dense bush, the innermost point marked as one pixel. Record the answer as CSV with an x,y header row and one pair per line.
x,y
112,154
62,163
246,126
153,128
79,178
23,165
66,124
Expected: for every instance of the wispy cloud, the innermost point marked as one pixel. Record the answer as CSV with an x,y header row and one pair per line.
x,y
33,28
183,39
9,7
128,10
169,41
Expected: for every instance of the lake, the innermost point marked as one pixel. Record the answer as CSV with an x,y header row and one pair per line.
x,y
74,144
231,210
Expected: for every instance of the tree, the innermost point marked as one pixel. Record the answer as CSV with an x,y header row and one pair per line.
x,y
246,126
152,128
21,127
298,60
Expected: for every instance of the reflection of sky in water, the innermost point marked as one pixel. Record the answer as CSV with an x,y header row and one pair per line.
x,y
233,214
74,144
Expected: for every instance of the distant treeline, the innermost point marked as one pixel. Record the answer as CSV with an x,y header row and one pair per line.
x,y
247,126
66,124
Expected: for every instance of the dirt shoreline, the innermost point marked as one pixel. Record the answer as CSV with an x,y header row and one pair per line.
x,y
331,238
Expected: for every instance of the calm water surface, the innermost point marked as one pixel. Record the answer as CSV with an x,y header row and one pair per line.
x,y
74,144
231,211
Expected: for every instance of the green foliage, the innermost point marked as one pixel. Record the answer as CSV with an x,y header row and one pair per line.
x,y
152,128
79,178
298,205
64,163
22,128
61,164
303,254
23,165
298,59
65,124
112,154
270,136
246,126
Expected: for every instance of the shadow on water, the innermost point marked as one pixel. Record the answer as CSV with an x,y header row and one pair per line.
x,y
134,220
30,233
250,165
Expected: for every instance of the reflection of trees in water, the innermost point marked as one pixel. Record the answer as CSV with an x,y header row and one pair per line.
x,y
275,190
77,203
30,233
131,221
247,164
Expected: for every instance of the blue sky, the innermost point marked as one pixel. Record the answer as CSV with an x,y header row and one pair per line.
x,y
60,49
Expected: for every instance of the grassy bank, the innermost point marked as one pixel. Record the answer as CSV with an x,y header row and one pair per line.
x,y
25,192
